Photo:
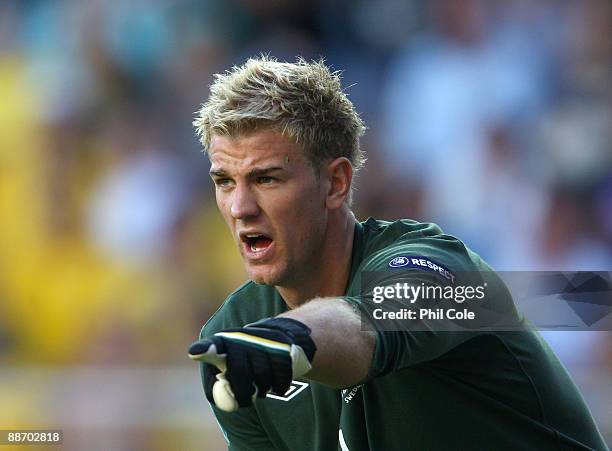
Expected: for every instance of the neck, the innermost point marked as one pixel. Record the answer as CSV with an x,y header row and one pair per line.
x,y
331,270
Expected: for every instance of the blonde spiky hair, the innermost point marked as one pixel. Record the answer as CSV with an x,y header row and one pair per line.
x,y
303,100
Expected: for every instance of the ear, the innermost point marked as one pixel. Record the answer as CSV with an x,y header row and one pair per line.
x,y
339,173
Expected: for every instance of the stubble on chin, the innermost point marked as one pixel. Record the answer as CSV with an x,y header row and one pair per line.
x,y
263,278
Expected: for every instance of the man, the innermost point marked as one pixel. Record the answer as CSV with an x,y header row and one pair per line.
x,y
287,363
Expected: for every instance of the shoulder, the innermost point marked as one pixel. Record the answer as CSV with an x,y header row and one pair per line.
x,y
413,244
245,305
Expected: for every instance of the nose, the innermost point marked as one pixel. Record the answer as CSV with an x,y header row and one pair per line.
x,y
244,203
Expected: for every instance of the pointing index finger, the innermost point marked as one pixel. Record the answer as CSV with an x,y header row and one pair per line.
x,y
209,350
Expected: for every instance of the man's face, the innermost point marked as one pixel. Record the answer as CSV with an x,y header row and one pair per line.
x,y
273,203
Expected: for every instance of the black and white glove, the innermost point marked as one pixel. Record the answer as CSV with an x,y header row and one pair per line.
x,y
243,364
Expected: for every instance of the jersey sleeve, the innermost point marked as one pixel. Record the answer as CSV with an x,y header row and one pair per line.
x,y
404,346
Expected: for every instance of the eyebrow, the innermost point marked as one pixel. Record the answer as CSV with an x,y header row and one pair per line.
x,y
217,173
255,172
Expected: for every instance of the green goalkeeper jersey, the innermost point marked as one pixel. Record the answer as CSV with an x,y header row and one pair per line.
x,y
427,390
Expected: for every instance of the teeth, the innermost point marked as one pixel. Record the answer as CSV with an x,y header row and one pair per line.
x,y
253,243
254,248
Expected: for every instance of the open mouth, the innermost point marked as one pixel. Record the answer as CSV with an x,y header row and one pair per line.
x,y
257,242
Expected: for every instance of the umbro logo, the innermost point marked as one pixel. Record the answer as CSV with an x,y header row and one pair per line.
x,y
295,389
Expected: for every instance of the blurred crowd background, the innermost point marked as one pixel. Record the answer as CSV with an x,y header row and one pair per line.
x,y
491,118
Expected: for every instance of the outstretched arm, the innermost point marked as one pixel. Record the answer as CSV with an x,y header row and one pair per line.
x,y
321,340
344,351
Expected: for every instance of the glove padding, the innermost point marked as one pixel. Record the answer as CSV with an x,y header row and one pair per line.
x,y
256,359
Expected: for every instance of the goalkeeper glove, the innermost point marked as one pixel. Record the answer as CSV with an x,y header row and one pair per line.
x,y
245,363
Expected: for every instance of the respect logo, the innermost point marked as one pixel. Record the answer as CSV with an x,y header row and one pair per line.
x,y
424,263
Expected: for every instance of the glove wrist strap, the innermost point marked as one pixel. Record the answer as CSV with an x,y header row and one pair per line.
x,y
296,330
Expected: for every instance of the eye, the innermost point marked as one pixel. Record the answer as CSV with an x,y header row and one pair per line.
x,y
223,183
265,180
